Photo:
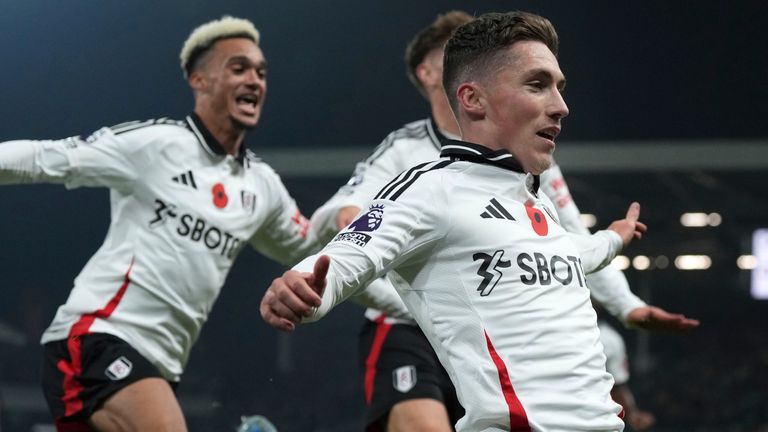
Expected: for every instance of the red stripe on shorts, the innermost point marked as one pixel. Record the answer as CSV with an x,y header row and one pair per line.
x,y
73,368
382,329
518,419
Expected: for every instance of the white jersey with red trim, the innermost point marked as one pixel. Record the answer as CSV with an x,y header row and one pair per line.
x,y
495,283
181,211
419,142
616,360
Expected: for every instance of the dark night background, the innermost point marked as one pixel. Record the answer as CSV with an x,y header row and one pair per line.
x,y
646,75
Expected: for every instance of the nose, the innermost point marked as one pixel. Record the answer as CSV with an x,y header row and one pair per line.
x,y
254,78
558,108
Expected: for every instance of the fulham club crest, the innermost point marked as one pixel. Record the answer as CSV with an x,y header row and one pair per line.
x,y
248,199
404,378
119,369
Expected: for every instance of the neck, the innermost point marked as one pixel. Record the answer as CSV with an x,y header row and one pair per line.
x,y
228,135
441,112
477,133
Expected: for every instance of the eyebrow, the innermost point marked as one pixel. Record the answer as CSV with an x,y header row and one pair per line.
x,y
546,73
244,59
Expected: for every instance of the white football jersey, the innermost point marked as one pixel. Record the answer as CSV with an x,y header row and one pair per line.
x,y
608,286
181,211
496,284
616,361
419,142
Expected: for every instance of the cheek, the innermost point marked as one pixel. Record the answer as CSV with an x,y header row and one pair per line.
x,y
524,109
516,106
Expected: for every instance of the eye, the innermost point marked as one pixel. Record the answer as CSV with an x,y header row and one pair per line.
x,y
261,72
536,85
238,69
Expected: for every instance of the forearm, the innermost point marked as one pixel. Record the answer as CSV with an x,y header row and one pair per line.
x,y
382,295
597,250
345,278
610,288
20,162
323,220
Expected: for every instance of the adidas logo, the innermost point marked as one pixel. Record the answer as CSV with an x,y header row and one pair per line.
x,y
496,211
187,179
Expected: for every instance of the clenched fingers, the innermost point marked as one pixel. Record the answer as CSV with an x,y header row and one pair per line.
x,y
271,316
288,300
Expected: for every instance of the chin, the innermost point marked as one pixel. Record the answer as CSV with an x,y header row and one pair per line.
x,y
541,166
245,123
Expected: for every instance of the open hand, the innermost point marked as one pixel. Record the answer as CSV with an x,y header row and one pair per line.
x,y
629,228
654,318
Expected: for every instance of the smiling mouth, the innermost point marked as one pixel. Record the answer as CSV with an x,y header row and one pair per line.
x,y
249,100
546,135
549,133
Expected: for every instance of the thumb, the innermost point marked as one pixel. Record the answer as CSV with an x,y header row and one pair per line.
x,y
633,214
317,281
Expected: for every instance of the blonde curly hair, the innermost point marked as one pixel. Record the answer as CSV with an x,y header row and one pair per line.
x,y
204,36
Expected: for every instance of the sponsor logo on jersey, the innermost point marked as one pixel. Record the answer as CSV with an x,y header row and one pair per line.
x,y
538,269
196,229
404,378
356,238
119,369
370,221
220,198
490,278
496,211
163,211
186,179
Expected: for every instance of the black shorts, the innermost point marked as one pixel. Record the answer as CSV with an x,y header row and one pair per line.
x,y
80,373
399,364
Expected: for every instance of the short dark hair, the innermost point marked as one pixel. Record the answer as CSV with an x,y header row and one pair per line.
x,y
432,37
473,49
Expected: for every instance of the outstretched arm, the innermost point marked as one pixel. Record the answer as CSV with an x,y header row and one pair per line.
x,y
599,249
17,162
609,286
655,318
106,158
293,296
630,227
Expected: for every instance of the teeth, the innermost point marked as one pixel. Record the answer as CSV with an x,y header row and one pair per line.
x,y
247,99
547,134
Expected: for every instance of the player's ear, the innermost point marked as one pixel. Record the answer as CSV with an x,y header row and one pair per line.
x,y
198,80
428,76
471,99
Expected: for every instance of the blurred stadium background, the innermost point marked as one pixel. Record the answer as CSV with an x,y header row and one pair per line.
x,y
668,104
